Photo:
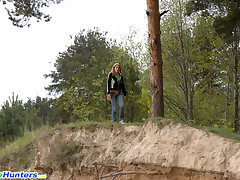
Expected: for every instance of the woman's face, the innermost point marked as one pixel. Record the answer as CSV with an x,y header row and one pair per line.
x,y
117,68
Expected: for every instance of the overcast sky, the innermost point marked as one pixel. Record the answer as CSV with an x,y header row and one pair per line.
x,y
27,54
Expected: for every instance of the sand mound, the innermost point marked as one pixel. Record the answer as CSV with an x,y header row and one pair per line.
x,y
175,148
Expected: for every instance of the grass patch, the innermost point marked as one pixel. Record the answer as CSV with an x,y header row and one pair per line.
x,y
223,132
93,125
63,166
135,124
85,124
162,122
24,141
23,158
89,125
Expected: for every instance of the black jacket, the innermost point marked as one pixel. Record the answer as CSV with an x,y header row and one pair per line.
x,y
113,84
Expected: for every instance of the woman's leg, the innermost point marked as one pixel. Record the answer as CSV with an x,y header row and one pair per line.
x,y
114,109
121,108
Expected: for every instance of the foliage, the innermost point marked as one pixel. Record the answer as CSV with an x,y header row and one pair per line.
x,y
57,113
17,118
80,72
139,88
81,75
23,141
178,57
198,68
20,12
226,13
226,24
12,119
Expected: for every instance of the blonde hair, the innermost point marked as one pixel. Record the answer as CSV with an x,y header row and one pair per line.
x,y
113,68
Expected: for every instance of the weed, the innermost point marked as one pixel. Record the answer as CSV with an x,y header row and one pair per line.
x,y
81,155
63,166
70,148
116,151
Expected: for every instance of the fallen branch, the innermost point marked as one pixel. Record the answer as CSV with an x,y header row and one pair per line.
x,y
100,170
118,172
130,172
106,165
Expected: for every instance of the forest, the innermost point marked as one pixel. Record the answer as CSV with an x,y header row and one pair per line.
x,y
200,51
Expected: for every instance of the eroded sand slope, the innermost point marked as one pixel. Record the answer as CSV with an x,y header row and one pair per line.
x,y
174,152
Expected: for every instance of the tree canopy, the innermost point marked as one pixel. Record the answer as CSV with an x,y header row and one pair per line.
x,y
226,13
20,12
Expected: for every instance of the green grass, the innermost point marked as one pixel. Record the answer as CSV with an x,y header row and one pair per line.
x,y
135,124
223,132
24,141
86,123
95,124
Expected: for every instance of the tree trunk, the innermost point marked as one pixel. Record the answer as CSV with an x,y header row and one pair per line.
x,y
156,77
184,68
185,86
236,107
183,65
191,102
227,100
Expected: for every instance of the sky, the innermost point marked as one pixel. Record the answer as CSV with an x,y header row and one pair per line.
x,y
26,54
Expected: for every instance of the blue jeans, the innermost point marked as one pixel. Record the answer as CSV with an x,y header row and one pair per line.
x,y
119,98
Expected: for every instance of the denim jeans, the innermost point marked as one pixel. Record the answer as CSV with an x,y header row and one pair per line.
x,y
119,98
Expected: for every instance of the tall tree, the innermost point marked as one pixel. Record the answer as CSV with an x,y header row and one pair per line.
x,y
227,24
178,59
192,72
138,68
156,63
80,73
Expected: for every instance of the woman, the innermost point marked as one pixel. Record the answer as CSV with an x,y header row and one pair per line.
x,y
116,90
